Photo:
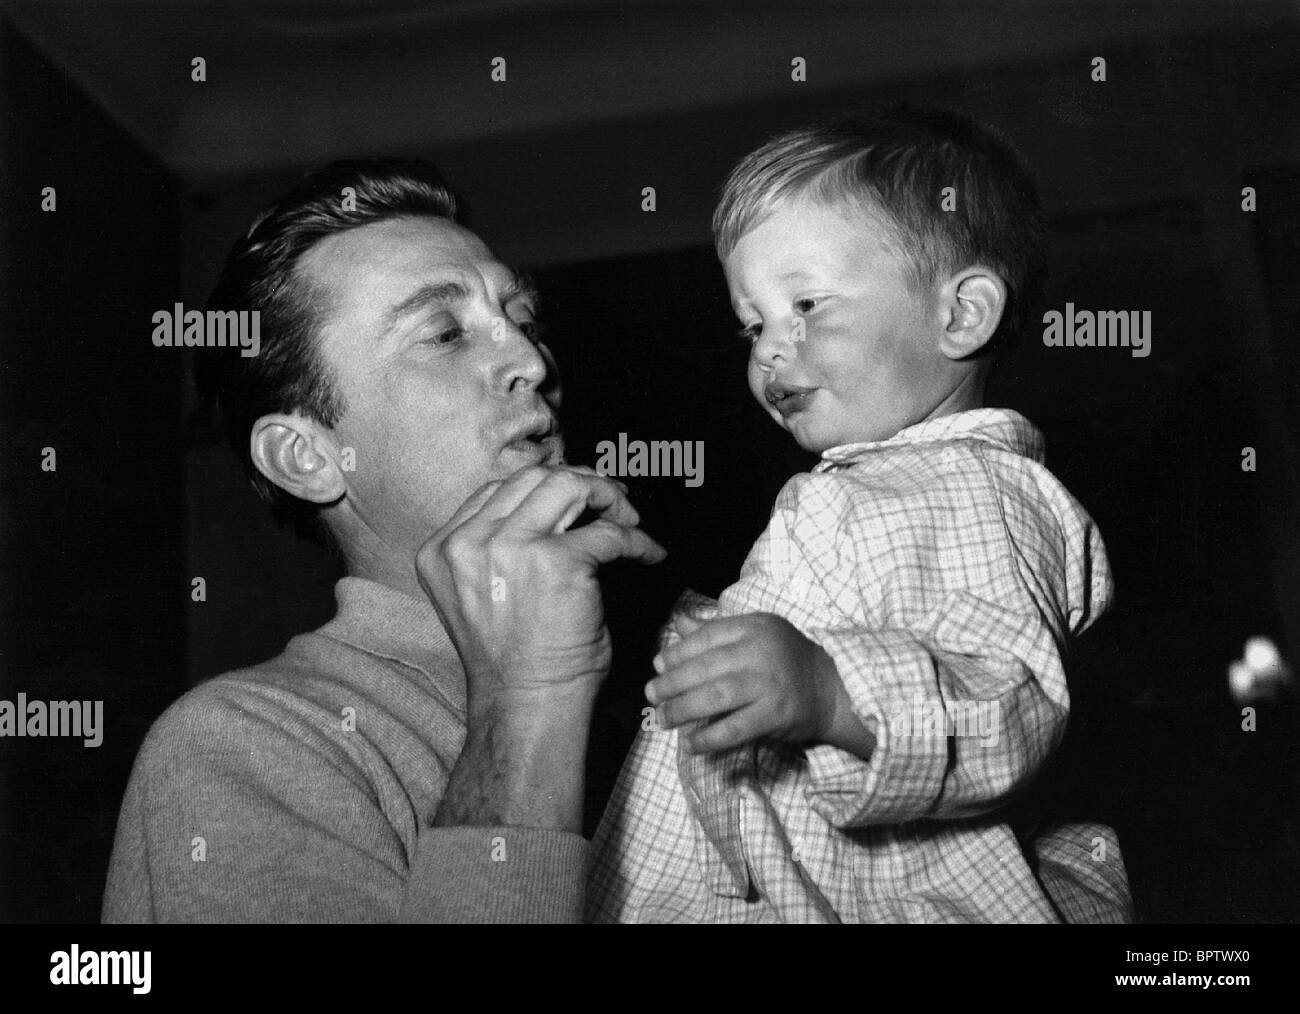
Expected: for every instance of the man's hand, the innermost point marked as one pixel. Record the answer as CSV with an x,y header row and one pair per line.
x,y
517,593
517,590
755,676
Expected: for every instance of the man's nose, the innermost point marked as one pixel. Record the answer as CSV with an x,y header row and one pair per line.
x,y
523,363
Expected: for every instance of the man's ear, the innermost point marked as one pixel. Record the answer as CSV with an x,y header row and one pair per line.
x,y
974,300
294,453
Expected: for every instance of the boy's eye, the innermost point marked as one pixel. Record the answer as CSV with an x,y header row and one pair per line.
x,y
750,332
805,305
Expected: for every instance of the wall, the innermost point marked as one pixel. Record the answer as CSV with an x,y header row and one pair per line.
x,y
95,588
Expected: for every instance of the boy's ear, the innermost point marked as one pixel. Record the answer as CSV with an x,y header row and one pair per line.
x,y
294,453
974,300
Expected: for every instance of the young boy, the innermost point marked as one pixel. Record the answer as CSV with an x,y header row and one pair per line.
x,y
839,735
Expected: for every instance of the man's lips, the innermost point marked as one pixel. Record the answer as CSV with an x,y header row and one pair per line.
x,y
536,428
539,437
788,399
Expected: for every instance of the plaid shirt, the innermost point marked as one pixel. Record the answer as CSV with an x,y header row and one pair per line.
x,y
943,570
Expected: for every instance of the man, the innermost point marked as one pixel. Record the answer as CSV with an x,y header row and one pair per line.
x,y
420,757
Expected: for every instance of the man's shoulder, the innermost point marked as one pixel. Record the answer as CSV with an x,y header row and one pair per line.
x,y
321,704
301,696
307,668
253,703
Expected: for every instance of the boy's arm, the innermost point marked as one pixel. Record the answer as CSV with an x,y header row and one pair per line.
x,y
845,730
954,734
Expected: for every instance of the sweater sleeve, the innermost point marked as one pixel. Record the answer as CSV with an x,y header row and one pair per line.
x,y
234,814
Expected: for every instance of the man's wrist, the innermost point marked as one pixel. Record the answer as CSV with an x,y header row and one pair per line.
x,y
523,761
528,704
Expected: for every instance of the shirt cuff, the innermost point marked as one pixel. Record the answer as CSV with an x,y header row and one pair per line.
x,y
884,673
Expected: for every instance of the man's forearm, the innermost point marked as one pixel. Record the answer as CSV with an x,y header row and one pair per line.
x,y
522,765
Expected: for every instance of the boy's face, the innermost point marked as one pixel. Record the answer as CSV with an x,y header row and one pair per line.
x,y
843,351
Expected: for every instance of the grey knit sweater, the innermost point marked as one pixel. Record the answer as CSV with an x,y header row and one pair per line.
x,y
301,790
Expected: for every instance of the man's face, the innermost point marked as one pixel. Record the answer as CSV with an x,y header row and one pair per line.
x,y
865,361
432,341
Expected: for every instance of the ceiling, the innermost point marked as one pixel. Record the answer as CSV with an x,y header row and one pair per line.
x,y
296,83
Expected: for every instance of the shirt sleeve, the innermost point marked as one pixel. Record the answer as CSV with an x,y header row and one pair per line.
x,y
950,656
231,817
957,734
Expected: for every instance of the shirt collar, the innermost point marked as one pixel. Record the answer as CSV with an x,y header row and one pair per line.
x,y
391,624
1001,427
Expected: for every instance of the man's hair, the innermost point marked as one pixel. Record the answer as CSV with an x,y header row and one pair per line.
x,y
289,374
897,162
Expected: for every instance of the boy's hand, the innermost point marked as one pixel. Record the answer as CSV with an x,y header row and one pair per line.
x,y
766,678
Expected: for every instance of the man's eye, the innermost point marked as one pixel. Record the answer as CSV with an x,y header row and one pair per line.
x,y
449,336
534,330
750,332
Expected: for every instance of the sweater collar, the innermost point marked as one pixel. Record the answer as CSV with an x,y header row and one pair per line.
x,y
1001,427
391,624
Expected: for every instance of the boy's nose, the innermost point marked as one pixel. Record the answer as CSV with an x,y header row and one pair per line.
x,y
773,347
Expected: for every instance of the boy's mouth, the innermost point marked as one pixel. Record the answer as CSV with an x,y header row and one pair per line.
x,y
788,399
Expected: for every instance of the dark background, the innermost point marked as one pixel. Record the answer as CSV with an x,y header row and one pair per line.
x,y
156,175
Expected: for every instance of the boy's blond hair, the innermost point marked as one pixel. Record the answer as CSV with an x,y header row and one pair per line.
x,y
898,164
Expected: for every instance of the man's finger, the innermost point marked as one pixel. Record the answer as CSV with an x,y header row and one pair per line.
x,y
499,498
557,501
588,470
495,499
472,505
603,541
